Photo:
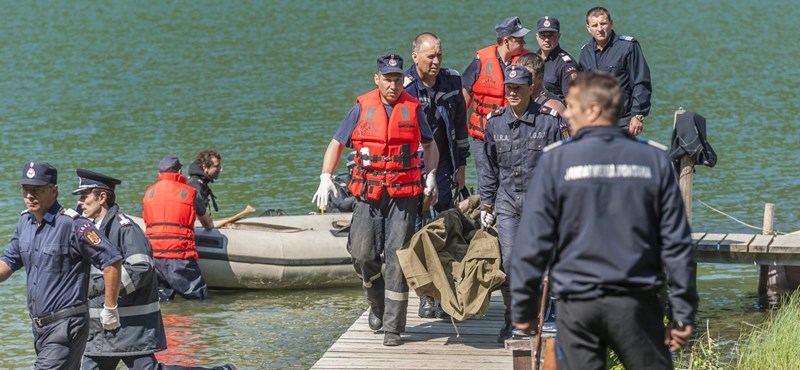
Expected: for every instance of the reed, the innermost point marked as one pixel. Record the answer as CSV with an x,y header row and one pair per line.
x,y
774,343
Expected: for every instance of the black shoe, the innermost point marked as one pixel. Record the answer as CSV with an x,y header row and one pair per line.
x,y
427,307
440,314
392,339
227,367
505,332
375,318
519,334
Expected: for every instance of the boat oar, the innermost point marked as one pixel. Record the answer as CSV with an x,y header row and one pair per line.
x,y
247,210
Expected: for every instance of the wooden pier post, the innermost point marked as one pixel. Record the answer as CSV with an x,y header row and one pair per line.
x,y
766,229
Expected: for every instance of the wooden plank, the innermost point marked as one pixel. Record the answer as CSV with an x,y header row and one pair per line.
x,y
736,243
760,244
785,244
710,242
697,237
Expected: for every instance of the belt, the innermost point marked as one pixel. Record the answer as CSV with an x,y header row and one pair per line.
x,y
41,321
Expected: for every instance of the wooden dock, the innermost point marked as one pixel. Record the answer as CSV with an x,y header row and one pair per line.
x,y
747,248
427,343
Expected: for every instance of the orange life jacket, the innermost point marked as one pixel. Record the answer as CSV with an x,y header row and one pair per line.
x,y
169,214
488,91
386,148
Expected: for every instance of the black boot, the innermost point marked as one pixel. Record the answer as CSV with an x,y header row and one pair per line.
x,y
505,332
440,314
392,339
375,318
427,307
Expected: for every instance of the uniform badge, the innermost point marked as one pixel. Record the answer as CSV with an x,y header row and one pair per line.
x,y
513,73
574,75
31,172
546,22
93,237
392,61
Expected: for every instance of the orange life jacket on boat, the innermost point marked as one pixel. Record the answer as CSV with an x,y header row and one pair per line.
x,y
488,91
169,215
386,148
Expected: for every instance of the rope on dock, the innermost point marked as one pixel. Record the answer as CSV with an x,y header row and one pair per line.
x,y
734,218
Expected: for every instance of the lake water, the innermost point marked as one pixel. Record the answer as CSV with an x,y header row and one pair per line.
x,y
115,86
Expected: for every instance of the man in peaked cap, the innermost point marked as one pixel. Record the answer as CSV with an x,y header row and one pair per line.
x,y
559,67
515,138
57,247
385,127
169,209
482,81
141,334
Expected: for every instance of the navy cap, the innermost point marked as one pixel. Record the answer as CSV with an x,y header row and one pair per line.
x,y
390,63
548,24
170,163
511,26
94,180
516,74
38,173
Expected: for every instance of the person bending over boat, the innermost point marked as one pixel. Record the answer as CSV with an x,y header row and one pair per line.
x,y
606,209
204,170
385,127
439,91
57,247
169,209
141,333
515,137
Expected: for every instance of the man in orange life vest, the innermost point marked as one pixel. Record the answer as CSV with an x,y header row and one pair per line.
x,y
386,127
169,210
482,81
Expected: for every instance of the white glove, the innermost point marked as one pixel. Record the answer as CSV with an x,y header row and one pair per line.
x,y
487,218
430,185
323,191
109,316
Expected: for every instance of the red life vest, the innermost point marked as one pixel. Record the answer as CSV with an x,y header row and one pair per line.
x,y
169,214
386,148
488,91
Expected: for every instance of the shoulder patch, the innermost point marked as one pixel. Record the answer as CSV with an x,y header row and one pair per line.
x,y
654,144
549,111
627,38
124,220
450,72
70,212
556,145
566,58
408,80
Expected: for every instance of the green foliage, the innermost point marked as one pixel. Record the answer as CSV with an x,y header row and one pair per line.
x,y
773,344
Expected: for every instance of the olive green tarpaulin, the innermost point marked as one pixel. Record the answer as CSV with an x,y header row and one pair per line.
x,y
454,261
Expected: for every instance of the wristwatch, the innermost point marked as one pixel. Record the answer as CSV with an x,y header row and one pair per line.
x,y
640,117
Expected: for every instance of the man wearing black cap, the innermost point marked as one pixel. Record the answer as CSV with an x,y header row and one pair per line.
x,y
57,247
515,138
559,67
385,127
439,91
482,81
170,208
204,170
622,57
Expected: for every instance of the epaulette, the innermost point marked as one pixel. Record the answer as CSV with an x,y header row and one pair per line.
x,y
23,212
627,38
556,144
584,45
494,113
566,58
450,72
124,220
408,80
70,212
653,144
549,111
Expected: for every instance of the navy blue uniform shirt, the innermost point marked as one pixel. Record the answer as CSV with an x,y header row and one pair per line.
x,y
610,209
513,148
559,70
350,122
623,58
446,112
57,256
